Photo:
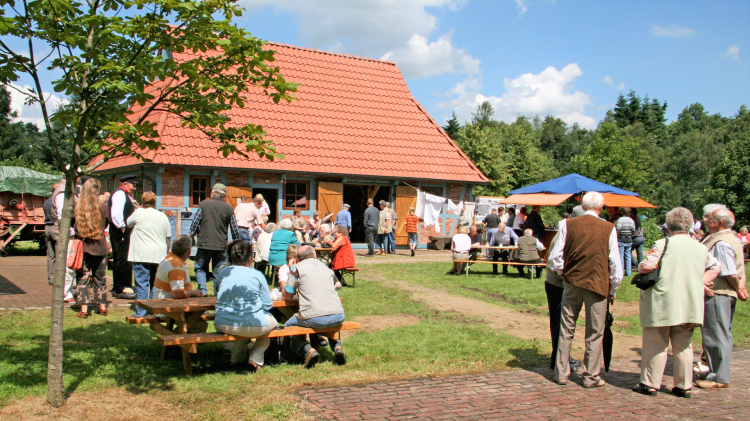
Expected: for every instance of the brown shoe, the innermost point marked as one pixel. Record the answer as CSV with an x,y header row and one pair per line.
x,y
709,384
311,358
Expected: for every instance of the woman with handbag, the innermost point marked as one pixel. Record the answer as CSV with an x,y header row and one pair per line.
x,y
92,218
673,305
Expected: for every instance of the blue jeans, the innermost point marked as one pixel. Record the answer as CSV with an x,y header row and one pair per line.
x,y
145,273
490,233
392,240
638,246
300,344
412,238
203,257
626,254
244,235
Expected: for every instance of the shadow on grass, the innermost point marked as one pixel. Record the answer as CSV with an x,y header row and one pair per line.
x,y
112,351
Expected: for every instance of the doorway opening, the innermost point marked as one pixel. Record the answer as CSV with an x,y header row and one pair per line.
x,y
356,196
271,197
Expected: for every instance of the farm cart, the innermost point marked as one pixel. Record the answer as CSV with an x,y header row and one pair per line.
x,y
22,196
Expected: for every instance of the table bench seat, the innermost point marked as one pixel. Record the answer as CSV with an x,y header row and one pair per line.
x,y
499,262
206,338
133,320
350,271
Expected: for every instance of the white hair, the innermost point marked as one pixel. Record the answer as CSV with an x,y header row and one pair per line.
x,y
592,200
270,227
528,231
286,224
711,207
724,215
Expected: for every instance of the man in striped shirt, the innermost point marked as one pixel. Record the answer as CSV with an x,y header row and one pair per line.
x,y
172,279
249,216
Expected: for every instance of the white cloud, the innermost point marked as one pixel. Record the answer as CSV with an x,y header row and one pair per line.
x,y
364,27
420,58
733,52
611,82
549,92
521,6
32,113
672,31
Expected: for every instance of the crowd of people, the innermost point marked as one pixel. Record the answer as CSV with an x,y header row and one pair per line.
x,y
140,242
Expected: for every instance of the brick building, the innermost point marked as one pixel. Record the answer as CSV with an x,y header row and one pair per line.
x,y
354,132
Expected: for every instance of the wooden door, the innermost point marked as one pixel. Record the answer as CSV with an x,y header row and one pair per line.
x,y
330,198
406,197
236,193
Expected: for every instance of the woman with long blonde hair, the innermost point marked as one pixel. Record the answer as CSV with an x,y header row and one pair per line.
x,y
92,218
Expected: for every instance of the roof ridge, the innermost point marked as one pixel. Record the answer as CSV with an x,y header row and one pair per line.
x,y
330,53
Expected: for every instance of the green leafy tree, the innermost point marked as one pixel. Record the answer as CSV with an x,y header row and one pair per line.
x,y
527,164
116,55
614,158
731,181
18,141
451,129
483,115
482,146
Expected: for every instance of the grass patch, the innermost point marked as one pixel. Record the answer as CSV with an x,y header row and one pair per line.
x,y
105,353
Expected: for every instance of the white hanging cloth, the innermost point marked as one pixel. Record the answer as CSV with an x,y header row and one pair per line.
x,y
455,208
433,206
419,209
469,210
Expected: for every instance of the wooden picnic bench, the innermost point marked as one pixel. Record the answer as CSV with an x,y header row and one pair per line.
x,y
468,264
439,243
179,316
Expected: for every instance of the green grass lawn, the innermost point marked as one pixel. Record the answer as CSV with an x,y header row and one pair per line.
x,y
105,352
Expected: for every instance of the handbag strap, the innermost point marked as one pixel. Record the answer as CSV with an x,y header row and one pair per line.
x,y
666,243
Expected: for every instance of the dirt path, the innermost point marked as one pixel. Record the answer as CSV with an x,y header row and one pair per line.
x,y
516,323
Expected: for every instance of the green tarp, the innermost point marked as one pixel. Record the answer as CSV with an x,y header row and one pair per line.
x,y
23,180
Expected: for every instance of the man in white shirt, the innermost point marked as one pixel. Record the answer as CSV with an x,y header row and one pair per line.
x,y
587,257
249,216
121,206
264,209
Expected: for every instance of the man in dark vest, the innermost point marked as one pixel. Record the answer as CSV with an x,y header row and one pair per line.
x,y
528,252
212,222
121,205
587,257
372,216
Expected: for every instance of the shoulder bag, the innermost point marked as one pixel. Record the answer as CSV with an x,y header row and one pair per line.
x,y
648,280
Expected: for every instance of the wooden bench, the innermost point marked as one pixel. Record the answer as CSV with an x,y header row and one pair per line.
x,y
350,271
439,243
499,262
133,320
207,338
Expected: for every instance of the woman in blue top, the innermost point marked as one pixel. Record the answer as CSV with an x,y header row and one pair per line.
x,y
243,303
280,241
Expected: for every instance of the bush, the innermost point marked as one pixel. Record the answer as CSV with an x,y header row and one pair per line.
x,y
651,232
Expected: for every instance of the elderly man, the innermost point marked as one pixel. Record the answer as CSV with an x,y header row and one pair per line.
x,y
371,226
264,209
625,228
587,257
121,206
212,222
476,241
553,287
528,251
249,216
344,218
319,305
384,226
504,236
721,299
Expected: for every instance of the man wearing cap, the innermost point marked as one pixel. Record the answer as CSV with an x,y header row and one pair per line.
x,y
121,205
344,218
212,222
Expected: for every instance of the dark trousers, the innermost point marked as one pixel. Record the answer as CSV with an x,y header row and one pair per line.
x,y
538,268
554,303
370,234
51,241
498,255
92,277
122,273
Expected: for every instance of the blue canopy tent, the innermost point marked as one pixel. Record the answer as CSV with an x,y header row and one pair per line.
x,y
571,184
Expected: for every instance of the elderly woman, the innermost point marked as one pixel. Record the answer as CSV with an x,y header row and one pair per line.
x,y
460,245
674,306
243,305
342,255
262,246
280,240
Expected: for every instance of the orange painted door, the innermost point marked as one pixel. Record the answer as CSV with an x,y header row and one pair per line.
x,y
234,194
330,198
406,197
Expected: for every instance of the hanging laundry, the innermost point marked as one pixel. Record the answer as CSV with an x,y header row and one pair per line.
x,y
469,210
455,208
419,209
433,206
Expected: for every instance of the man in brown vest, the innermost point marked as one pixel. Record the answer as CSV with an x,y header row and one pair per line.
x,y
721,299
587,257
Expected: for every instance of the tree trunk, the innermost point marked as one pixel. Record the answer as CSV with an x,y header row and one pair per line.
x,y
55,385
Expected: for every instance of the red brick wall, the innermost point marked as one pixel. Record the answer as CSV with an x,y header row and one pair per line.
x,y
260,178
237,178
173,188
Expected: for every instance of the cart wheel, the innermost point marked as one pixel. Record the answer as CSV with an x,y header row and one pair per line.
x,y
4,227
5,251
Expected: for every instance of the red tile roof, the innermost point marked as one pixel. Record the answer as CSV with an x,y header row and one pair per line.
x,y
353,116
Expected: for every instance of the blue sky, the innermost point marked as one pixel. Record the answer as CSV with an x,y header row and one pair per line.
x,y
566,58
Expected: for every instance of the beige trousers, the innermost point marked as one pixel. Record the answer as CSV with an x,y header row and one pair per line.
x,y
654,359
596,313
239,346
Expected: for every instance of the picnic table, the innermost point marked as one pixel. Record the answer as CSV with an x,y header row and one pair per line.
x,y
183,314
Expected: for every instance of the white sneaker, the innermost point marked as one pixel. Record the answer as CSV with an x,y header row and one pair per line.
x,y
337,285
701,370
